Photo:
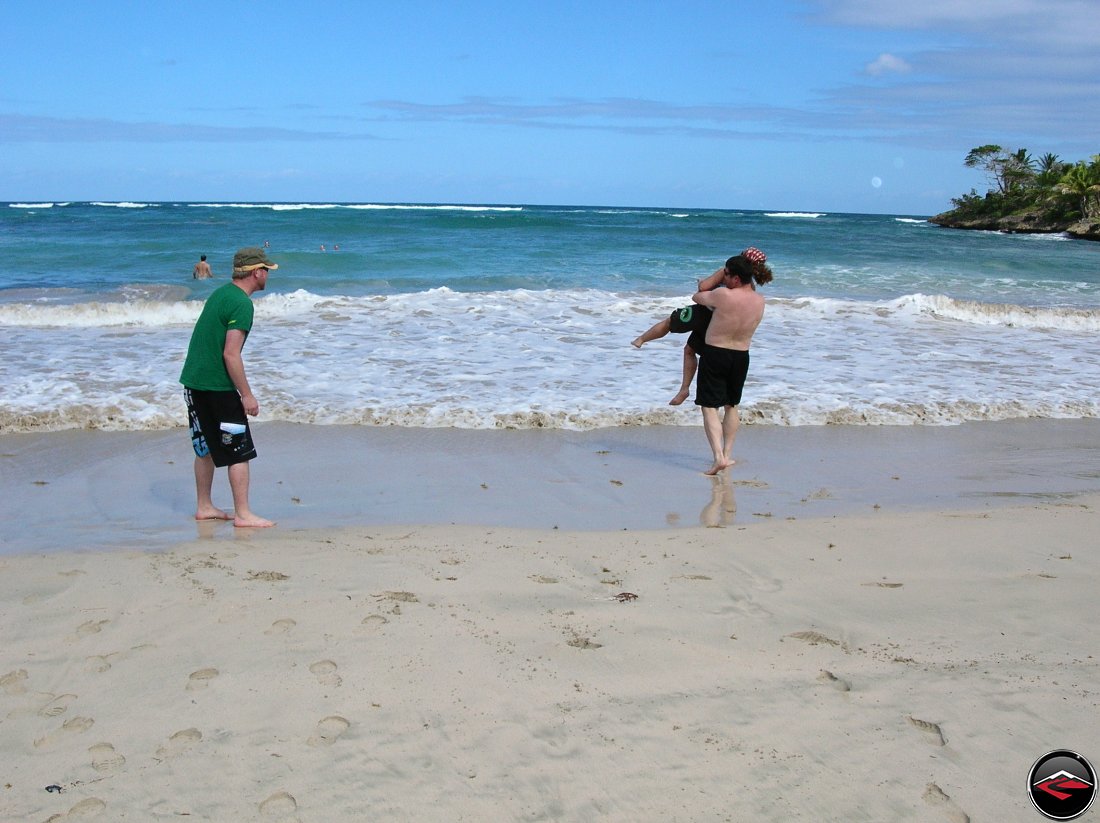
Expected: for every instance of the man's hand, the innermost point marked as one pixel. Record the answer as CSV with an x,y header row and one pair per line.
x,y
251,405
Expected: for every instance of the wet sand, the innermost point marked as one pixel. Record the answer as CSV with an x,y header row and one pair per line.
x,y
80,490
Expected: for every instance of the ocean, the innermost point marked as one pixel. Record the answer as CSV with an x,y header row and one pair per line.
x,y
516,316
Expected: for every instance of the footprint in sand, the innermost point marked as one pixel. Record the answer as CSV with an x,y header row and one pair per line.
x,y
325,672
87,809
373,623
90,627
281,806
830,679
14,682
934,796
281,626
932,732
105,759
179,743
200,679
579,641
98,663
57,705
72,726
328,731
399,597
814,638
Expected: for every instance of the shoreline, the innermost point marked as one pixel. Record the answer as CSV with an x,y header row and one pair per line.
x,y
134,490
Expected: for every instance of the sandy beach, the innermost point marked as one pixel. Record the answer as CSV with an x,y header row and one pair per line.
x,y
879,624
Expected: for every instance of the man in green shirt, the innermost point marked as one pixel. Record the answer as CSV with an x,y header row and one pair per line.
x,y
219,399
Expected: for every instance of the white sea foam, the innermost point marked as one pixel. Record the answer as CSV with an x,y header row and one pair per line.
x,y
32,205
441,207
561,359
301,305
911,220
125,205
1044,237
794,214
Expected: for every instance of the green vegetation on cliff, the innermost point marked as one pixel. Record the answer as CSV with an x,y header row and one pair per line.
x,y
1030,195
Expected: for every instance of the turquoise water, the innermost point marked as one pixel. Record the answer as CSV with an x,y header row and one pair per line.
x,y
398,249
507,315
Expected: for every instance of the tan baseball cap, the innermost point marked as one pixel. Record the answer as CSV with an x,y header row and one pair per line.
x,y
251,258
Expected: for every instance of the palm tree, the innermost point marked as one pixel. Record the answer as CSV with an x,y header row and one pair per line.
x,y
1050,170
1083,182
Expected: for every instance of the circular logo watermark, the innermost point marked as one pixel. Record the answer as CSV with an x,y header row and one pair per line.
x,y
1062,785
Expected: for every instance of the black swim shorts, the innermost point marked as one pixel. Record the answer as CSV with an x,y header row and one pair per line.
x,y
689,318
694,319
219,426
721,377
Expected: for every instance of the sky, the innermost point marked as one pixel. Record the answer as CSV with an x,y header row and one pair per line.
x,y
866,106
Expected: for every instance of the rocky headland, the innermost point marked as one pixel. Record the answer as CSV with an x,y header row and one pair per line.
x,y
1022,223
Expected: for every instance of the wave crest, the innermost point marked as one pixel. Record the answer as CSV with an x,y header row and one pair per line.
x,y
148,417
1001,314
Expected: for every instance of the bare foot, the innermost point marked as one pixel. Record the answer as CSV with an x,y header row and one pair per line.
x,y
719,465
637,342
212,514
680,397
251,521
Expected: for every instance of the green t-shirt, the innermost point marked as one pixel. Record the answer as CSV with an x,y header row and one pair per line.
x,y
228,307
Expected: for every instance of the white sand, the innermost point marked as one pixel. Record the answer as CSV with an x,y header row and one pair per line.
x,y
881,666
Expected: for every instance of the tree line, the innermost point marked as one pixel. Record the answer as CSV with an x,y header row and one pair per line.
x,y
1021,183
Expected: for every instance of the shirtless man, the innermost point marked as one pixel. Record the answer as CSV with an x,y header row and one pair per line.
x,y
736,313
202,269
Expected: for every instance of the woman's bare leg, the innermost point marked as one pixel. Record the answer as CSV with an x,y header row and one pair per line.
x,y
690,365
654,332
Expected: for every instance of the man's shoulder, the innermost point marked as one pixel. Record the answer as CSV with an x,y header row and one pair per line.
x,y
723,295
229,291
746,293
228,298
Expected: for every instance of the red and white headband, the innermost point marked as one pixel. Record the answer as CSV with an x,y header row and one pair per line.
x,y
754,255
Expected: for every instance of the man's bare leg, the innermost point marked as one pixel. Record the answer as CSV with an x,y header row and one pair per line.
x,y
243,516
654,332
730,424
690,365
204,484
713,427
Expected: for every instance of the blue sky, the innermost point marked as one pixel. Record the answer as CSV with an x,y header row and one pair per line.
x,y
815,105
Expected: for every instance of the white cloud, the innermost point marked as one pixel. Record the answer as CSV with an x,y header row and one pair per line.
x,y
887,64
1072,24
17,128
